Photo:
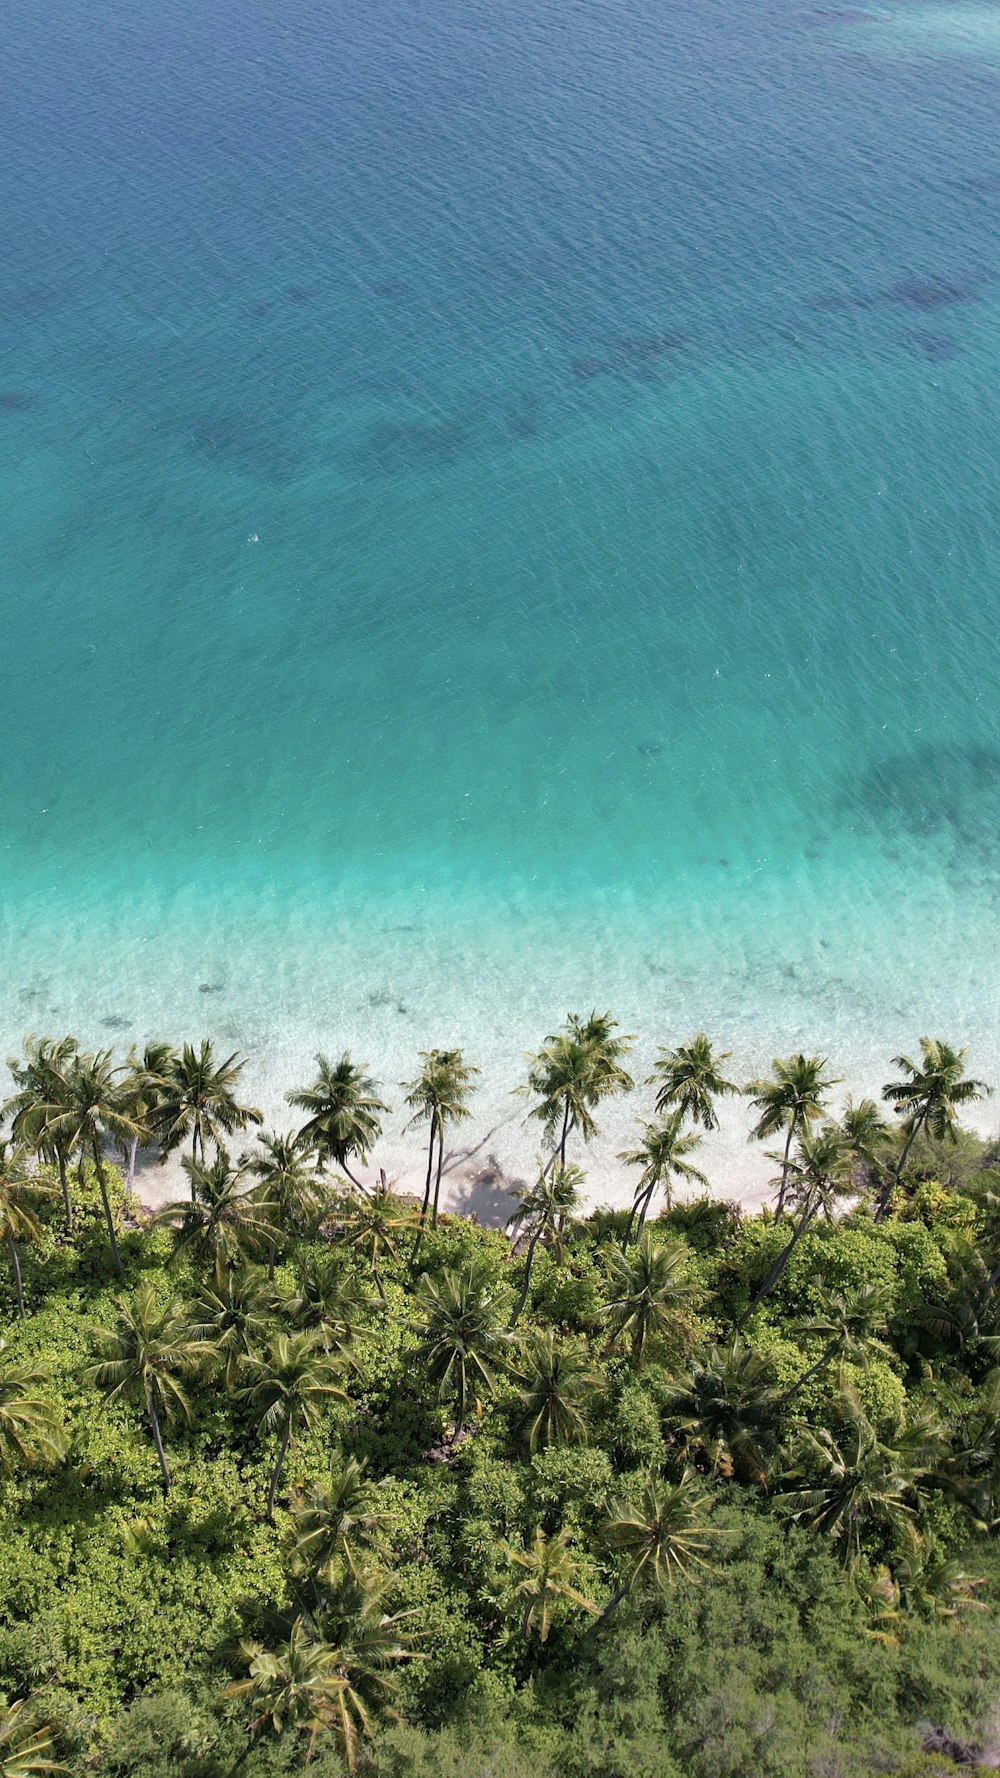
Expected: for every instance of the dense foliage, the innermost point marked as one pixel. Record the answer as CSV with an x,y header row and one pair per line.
x,y
303,1472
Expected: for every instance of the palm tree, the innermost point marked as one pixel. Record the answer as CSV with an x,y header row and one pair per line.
x,y
848,1322
573,1071
309,1683
31,1432
865,1135
661,1154
288,1389
558,1381
650,1294
25,1743
303,1685
38,1078
543,1212
663,1536
690,1078
550,1573
335,1515
438,1097
145,1082
345,1112
928,1099
18,1222
328,1301
847,1487
790,1102
222,1225
287,1192
723,1406
196,1097
232,1315
151,1348
820,1172
460,1341
91,1105
371,1225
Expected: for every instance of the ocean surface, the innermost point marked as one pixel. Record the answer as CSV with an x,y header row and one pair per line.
x,y
500,515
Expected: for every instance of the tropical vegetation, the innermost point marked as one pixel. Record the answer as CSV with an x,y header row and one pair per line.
x,y
305,1472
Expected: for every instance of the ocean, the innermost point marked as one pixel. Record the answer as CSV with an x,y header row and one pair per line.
x,y
499,513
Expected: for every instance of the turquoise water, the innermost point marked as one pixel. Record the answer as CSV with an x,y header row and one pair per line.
x,y
499,513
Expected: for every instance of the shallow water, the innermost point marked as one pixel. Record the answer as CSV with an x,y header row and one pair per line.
x,y
499,514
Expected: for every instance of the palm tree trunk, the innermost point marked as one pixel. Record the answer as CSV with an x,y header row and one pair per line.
x,y
643,1212
892,1176
437,1181
613,1603
64,1183
279,1466
109,1219
15,1266
460,1421
782,1260
154,1421
526,1286
784,1170
564,1138
379,1286
194,1153
559,1151
808,1375
427,1189
270,1262
133,1149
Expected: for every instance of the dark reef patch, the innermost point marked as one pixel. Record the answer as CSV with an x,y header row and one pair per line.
x,y
211,987
650,749
14,401
937,347
523,422
391,289
29,301
303,293
116,1021
951,790
930,293
400,446
841,15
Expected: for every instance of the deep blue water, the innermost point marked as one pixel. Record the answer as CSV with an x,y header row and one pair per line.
x,y
519,470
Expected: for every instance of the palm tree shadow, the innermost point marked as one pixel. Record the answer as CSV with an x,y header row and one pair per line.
x,y
487,1194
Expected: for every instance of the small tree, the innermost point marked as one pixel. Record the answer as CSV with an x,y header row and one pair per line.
x,y
460,1341
928,1099
663,1536
437,1097
345,1113
149,1352
196,1096
651,1295
39,1078
572,1073
791,1101
288,1389
550,1571
19,1193
662,1155
690,1079
31,1433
